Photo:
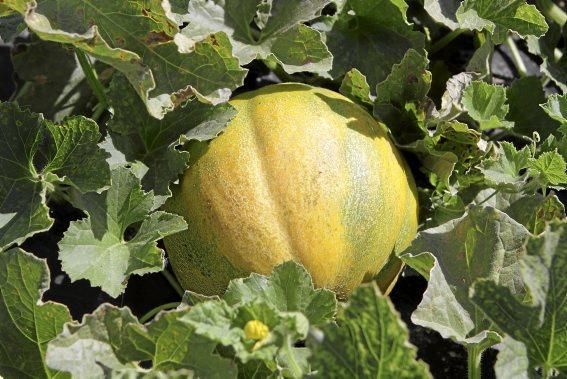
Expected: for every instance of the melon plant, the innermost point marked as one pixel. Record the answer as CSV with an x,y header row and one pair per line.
x,y
301,173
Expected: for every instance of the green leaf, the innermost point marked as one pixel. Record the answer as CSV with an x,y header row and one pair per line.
x,y
540,326
556,108
408,83
156,142
278,31
26,323
138,39
500,16
289,288
505,169
483,243
524,96
10,26
371,37
512,362
36,155
98,248
443,11
369,341
56,85
548,169
355,87
486,104
545,47
112,339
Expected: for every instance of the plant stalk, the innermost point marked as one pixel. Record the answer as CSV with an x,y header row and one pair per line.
x,y
173,282
516,57
474,359
92,78
552,11
145,318
441,43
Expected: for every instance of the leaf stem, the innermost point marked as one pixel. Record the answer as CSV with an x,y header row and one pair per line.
x,y
145,318
474,358
552,11
516,57
445,40
173,282
21,91
92,78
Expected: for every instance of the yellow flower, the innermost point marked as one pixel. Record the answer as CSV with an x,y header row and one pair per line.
x,y
256,330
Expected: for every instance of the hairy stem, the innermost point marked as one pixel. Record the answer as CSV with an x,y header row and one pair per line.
x,y
441,43
173,282
516,57
474,357
552,11
92,78
145,318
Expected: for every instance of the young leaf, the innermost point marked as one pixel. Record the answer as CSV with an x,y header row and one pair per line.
x,y
280,32
98,249
112,339
504,170
556,108
355,87
26,323
289,288
540,326
36,154
548,169
486,104
369,341
483,243
371,37
155,142
139,39
501,16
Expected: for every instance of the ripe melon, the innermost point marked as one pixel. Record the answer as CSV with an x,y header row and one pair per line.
x,y
300,173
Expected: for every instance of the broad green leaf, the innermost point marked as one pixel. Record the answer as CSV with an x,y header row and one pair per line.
x,y
546,48
371,36
548,169
370,340
265,29
443,11
156,142
525,97
540,326
26,323
504,170
138,39
483,243
55,82
481,61
36,155
500,16
556,108
112,339
355,87
486,104
99,249
289,288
